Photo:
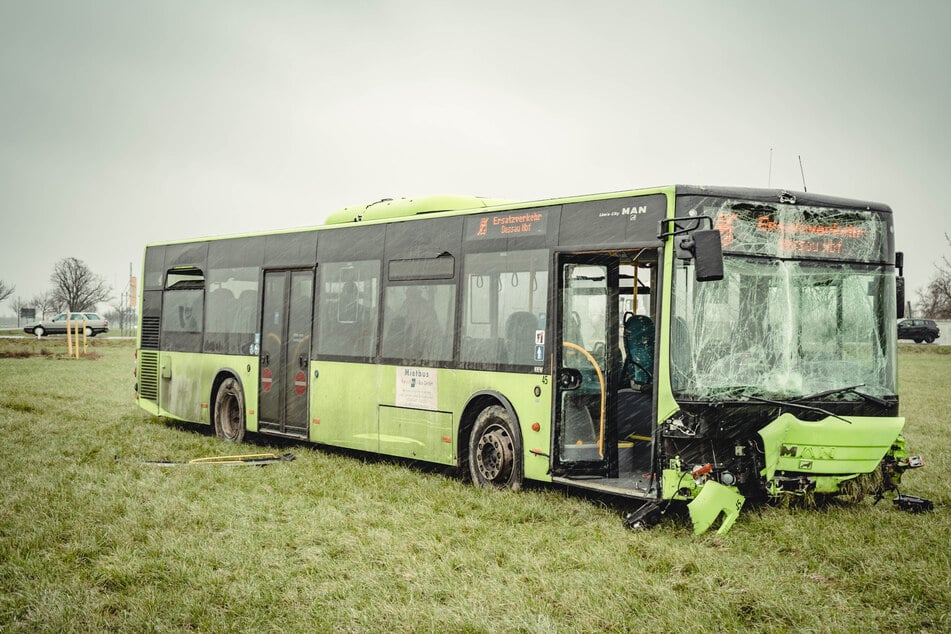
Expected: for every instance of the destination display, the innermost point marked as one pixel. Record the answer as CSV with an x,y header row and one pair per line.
x,y
802,232
509,224
623,220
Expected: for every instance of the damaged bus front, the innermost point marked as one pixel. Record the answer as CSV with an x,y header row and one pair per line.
x,y
782,377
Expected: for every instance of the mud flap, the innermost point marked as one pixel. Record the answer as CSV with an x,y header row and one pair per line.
x,y
712,500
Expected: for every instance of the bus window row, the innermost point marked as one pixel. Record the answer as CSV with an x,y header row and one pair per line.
x,y
502,319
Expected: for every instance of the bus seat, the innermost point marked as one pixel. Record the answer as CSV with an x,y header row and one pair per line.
x,y
349,310
245,312
639,349
520,330
395,341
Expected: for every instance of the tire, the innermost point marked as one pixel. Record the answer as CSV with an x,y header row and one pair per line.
x,y
495,450
229,411
929,340
38,331
89,332
917,339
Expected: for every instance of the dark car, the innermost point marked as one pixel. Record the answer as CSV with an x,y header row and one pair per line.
x,y
94,324
918,329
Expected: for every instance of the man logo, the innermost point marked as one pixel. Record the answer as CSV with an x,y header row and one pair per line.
x,y
634,211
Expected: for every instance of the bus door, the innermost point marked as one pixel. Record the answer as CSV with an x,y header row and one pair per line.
x,y
587,362
286,322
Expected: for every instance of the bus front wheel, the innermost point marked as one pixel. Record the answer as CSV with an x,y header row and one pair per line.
x,y
495,450
229,411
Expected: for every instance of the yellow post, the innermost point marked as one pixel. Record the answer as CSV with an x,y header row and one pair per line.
x,y
69,335
85,349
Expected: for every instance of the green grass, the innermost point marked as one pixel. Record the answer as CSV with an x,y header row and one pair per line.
x,y
92,538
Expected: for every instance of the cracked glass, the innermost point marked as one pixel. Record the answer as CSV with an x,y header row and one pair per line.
x,y
807,304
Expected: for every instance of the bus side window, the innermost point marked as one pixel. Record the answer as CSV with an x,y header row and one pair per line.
x,y
505,301
348,308
419,322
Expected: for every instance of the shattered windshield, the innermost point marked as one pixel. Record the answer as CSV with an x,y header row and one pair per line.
x,y
783,323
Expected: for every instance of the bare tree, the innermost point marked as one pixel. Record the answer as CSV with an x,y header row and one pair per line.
x,y
5,290
17,307
76,287
44,304
121,315
934,300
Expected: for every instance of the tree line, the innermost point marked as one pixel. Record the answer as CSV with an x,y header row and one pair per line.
x,y
73,287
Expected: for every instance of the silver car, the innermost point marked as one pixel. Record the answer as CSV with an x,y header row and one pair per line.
x,y
94,324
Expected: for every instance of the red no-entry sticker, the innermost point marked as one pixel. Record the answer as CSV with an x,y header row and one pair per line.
x,y
266,379
300,382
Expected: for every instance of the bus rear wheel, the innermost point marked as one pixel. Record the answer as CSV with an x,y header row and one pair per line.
x,y
495,450
229,411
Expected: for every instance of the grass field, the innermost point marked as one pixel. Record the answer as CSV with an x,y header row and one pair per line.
x,y
93,538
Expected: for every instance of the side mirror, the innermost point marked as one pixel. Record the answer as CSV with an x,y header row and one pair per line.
x,y
703,246
707,253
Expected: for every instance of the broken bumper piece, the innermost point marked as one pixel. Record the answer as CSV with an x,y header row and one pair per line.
x,y
712,501
913,503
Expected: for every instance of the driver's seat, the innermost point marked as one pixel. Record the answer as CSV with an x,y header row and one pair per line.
x,y
638,341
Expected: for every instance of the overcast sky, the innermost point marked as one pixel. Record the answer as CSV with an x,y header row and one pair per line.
x,y
127,122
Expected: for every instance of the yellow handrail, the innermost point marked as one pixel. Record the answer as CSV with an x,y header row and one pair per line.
x,y
597,370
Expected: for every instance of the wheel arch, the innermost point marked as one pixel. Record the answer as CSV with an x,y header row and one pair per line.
x,y
220,377
476,403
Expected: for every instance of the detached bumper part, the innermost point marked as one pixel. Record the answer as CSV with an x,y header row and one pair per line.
x,y
713,500
913,503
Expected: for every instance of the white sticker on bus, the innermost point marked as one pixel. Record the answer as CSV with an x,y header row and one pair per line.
x,y
416,388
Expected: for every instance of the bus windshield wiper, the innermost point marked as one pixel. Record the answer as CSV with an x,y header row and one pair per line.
x,y
851,389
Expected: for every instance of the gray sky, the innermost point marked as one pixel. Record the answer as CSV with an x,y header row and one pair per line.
x,y
123,123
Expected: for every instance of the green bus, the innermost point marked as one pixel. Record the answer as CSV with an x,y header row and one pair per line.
x,y
675,343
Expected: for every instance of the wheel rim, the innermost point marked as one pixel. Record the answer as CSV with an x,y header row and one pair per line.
x,y
229,415
494,455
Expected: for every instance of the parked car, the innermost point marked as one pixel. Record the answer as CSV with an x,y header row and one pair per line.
x,y
57,325
918,329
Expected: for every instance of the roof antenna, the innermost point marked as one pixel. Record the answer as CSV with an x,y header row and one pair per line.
x,y
803,174
769,180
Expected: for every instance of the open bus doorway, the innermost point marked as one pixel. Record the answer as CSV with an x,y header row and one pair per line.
x,y
605,366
